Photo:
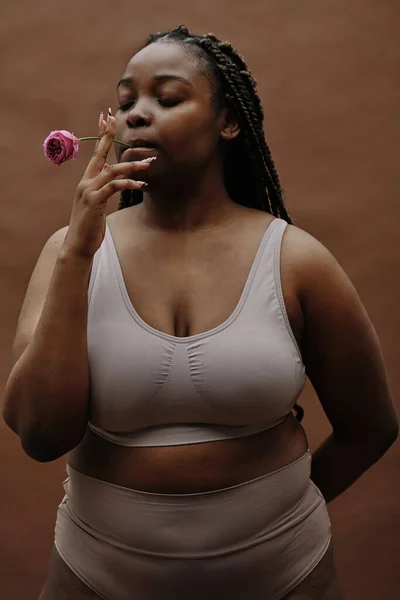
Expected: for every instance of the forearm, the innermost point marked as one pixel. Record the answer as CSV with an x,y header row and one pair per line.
x,y
337,464
46,397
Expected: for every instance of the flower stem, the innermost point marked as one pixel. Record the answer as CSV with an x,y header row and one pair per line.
x,y
99,138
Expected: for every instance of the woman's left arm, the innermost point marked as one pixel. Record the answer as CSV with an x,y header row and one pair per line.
x,y
344,363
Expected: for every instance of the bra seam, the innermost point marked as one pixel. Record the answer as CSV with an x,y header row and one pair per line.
x,y
192,382
160,389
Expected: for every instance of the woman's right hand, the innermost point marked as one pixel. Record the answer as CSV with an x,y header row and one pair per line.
x,y
88,218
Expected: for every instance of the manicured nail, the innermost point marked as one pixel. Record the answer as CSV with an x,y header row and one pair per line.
x,y
142,183
109,115
149,159
101,119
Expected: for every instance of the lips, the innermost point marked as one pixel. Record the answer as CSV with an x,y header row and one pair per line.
x,y
138,145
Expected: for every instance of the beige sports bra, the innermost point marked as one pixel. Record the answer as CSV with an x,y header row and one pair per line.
x,y
149,388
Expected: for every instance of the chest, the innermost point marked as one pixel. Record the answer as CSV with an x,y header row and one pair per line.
x,y
227,292
188,285
190,291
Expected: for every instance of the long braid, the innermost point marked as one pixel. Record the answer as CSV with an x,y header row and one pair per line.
x,y
248,114
243,79
250,174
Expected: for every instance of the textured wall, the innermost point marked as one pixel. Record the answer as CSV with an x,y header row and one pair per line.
x,y
328,77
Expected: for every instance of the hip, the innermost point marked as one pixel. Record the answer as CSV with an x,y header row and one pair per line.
x,y
258,539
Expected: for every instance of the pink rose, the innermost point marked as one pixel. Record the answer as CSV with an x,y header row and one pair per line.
x,y
60,146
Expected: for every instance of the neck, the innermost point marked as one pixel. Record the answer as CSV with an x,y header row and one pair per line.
x,y
182,206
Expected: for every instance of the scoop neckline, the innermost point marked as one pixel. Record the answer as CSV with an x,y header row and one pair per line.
x,y
198,336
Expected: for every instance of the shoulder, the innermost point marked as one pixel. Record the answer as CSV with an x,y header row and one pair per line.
x,y
332,310
312,266
304,249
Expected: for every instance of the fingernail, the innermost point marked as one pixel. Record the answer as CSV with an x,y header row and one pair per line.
x,y
149,159
101,119
109,115
142,183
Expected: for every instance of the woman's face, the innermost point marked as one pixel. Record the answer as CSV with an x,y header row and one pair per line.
x,y
166,108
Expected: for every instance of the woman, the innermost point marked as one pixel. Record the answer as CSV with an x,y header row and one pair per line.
x,y
165,347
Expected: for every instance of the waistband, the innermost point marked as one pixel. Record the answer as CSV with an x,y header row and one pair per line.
x,y
195,525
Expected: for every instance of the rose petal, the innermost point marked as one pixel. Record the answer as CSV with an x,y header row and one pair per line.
x,y
60,146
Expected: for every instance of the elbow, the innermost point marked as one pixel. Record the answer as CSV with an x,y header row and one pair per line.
x,y
40,449
43,448
44,438
41,445
38,445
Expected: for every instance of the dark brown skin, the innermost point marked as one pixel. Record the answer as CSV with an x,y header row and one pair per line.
x,y
170,243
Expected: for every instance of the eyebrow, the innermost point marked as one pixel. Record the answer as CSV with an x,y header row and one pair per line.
x,y
160,77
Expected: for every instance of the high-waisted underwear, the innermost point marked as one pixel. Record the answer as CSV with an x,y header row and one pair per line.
x,y
257,540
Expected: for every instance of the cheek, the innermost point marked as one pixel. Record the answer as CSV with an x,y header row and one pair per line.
x,y
190,135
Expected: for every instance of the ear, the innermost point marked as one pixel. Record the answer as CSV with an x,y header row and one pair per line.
x,y
229,125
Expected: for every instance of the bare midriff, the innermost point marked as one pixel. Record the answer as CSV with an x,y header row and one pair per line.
x,y
191,468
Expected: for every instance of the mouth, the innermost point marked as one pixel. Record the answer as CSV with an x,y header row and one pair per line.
x,y
138,148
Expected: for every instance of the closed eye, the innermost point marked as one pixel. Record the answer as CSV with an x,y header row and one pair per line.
x,y
161,101
167,103
124,107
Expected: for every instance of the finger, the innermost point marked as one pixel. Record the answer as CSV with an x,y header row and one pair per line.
x,y
102,128
117,185
110,172
98,159
105,130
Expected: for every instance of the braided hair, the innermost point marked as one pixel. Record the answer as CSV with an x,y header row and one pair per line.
x,y
250,175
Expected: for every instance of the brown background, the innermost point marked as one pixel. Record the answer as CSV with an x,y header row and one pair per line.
x,y
328,77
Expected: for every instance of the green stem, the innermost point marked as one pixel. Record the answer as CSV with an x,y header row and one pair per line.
x,y
99,138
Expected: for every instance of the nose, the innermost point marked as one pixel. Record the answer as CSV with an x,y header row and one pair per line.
x,y
138,116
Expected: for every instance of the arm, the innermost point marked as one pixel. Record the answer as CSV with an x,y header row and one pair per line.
x,y
46,396
47,393
344,363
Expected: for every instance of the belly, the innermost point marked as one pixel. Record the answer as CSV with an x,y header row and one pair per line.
x,y
191,468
